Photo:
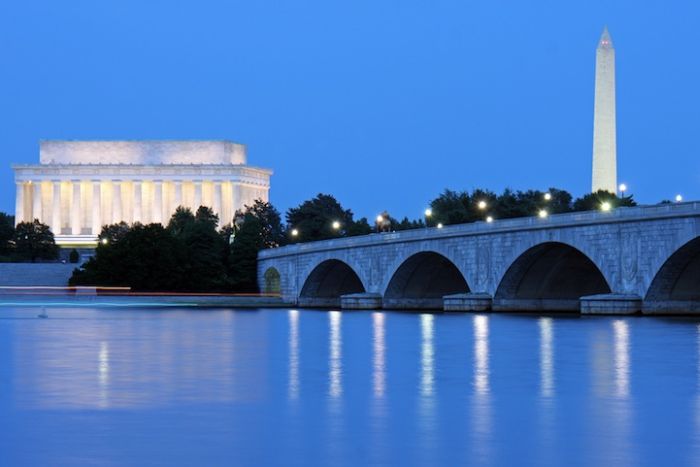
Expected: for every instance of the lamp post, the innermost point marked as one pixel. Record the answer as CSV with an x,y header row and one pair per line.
x,y
428,214
679,198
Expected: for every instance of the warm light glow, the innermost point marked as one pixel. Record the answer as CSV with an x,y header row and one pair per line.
x,y
547,196
336,225
439,226
295,232
482,204
489,219
622,187
428,212
104,241
380,219
543,213
605,206
679,198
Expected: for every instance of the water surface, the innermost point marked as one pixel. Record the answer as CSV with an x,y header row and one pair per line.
x,y
91,386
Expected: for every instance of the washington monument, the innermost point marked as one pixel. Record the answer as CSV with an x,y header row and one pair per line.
x,y
604,144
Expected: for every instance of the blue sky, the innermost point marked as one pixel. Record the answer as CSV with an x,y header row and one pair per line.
x,y
381,103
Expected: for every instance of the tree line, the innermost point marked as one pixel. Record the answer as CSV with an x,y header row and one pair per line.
x,y
189,253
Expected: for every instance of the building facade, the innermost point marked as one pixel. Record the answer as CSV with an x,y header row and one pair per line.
x,y
79,186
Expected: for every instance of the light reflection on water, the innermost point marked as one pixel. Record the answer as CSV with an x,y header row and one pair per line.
x,y
297,387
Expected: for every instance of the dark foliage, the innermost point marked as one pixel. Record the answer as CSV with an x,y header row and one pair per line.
x,y
73,256
34,240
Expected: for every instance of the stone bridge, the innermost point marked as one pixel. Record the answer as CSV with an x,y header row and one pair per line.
x,y
622,261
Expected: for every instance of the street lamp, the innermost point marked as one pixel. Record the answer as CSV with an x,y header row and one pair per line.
x,y
605,206
679,198
335,225
482,204
439,226
489,219
543,213
105,241
547,196
380,219
622,189
295,233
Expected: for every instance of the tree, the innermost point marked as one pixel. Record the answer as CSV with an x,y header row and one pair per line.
x,y
34,240
269,222
450,207
7,232
205,253
359,227
181,218
594,201
314,218
74,256
256,227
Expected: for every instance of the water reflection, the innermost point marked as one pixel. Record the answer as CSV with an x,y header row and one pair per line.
x,y
379,357
293,388
481,400
622,358
335,363
103,374
481,354
546,357
426,355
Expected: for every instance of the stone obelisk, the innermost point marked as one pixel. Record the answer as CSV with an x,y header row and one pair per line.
x,y
604,133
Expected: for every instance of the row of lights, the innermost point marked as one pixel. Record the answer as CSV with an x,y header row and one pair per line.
x,y
335,225
482,205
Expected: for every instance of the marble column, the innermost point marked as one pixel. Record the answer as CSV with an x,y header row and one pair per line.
x,y
56,207
137,203
117,202
75,209
236,199
178,195
19,203
157,212
96,207
36,201
197,195
218,200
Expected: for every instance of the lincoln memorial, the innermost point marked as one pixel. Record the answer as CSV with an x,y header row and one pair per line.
x,y
79,186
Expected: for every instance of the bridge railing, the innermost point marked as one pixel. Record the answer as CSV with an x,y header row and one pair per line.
x,y
623,214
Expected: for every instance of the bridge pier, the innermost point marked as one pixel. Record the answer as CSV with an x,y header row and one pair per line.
x,y
361,301
467,302
319,302
611,304
671,307
433,303
536,304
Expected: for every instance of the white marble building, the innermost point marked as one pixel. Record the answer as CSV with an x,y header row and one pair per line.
x,y
79,186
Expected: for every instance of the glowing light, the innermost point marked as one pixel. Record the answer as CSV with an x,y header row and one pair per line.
x,y
336,225
295,232
105,241
482,204
543,213
428,212
489,219
679,198
547,196
380,219
481,354
439,226
622,187
605,206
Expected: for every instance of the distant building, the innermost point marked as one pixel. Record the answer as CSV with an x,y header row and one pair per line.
x,y
79,186
604,125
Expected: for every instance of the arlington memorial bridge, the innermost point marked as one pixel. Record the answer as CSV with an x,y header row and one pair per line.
x,y
628,260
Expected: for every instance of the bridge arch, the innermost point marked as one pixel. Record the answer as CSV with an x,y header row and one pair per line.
x,y
549,276
327,282
272,281
676,285
422,280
